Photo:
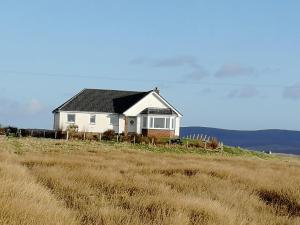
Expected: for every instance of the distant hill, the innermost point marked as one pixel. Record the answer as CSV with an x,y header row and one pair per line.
x,y
280,141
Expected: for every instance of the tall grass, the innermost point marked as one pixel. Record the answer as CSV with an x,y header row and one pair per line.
x,y
58,182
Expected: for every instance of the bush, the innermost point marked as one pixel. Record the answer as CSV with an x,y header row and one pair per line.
x,y
153,140
11,131
72,128
108,135
214,143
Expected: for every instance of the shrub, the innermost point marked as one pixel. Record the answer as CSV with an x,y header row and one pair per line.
x,y
199,144
153,140
214,143
73,131
91,136
124,137
11,131
109,135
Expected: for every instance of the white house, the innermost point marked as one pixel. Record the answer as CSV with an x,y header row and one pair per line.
x,y
96,110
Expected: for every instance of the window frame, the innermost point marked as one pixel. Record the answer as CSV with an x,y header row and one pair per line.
x,y
71,114
151,122
91,116
113,119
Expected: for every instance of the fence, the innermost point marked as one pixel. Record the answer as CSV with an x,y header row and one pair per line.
x,y
195,140
205,139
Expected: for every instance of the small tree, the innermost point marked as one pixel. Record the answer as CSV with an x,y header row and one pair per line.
x,y
72,129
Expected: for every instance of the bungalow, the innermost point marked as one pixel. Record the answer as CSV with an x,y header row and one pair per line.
x,y
96,110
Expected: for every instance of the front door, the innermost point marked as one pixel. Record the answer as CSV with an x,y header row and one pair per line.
x,y
132,125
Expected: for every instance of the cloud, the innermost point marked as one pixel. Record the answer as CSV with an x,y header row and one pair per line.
x,y
205,91
245,92
139,61
10,107
176,61
234,70
33,106
292,92
197,74
189,61
32,113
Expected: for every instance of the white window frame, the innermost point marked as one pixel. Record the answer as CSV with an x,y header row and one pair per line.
x,y
151,118
93,115
71,114
113,119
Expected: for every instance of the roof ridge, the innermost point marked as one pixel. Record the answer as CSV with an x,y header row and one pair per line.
x,y
114,90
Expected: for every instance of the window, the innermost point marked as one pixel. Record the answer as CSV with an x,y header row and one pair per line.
x,y
113,119
71,118
151,122
93,119
173,123
145,122
159,122
168,123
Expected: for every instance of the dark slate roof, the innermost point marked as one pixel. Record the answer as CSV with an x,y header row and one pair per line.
x,y
97,100
158,111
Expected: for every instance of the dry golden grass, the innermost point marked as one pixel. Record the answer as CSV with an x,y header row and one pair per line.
x,y
58,182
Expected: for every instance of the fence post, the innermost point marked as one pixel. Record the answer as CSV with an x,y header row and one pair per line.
x,y
134,139
117,137
152,141
84,135
205,145
100,136
31,133
20,133
55,135
67,135
44,134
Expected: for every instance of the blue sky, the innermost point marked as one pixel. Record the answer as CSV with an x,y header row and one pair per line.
x,y
227,64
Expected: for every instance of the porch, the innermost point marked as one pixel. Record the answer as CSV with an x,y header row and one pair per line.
x,y
152,122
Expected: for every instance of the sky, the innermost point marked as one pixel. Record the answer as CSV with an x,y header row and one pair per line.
x,y
225,64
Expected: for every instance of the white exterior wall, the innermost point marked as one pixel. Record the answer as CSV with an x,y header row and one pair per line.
x,y
82,120
121,124
56,121
177,126
103,121
149,101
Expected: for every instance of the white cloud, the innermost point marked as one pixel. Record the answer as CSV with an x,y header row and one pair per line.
x,y
197,74
14,108
245,92
292,92
33,106
234,70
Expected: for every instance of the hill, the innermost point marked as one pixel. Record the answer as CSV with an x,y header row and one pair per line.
x,y
280,141
57,182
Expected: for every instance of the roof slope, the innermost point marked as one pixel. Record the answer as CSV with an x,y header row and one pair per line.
x,y
98,100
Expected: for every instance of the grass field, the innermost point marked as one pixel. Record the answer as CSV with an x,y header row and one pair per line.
x,y
58,182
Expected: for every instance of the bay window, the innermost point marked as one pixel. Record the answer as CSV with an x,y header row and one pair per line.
x,y
158,122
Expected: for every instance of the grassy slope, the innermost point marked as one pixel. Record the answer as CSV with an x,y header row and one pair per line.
x,y
58,182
